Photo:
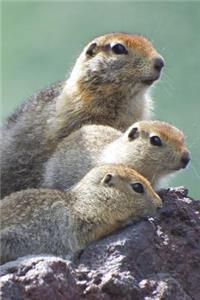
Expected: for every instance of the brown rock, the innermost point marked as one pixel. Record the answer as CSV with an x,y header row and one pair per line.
x,y
157,258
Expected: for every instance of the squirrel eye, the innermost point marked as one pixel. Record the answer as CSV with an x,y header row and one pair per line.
x,y
155,140
137,187
119,49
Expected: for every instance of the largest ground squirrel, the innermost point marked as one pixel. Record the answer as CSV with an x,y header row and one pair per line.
x,y
108,85
40,221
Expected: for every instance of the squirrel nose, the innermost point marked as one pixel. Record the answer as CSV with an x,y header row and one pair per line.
x,y
159,64
185,159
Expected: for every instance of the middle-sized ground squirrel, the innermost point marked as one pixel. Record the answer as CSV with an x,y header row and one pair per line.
x,y
153,148
43,221
108,85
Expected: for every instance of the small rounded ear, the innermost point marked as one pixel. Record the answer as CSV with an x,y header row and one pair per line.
x,y
108,179
133,134
91,49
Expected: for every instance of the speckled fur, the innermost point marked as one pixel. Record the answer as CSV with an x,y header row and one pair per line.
x,y
42,221
94,145
103,89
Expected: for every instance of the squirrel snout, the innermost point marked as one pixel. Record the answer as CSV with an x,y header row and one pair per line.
x,y
185,159
159,64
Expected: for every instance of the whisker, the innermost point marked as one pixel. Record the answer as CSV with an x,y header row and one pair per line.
x,y
167,87
195,171
169,81
192,144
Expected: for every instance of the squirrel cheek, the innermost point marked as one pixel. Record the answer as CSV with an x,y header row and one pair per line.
x,y
94,65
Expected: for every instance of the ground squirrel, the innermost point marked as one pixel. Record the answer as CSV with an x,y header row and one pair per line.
x,y
153,148
108,85
43,221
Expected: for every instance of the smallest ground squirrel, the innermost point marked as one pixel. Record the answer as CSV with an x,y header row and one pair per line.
x,y
153,148
42,221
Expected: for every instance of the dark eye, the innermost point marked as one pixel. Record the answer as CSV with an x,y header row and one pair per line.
x,y
137,187
155,140
119,49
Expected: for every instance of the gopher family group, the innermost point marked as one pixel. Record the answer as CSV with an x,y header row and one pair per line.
x,y
83,157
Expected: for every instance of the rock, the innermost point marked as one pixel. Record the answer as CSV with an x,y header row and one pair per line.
x,y
39,277
156,258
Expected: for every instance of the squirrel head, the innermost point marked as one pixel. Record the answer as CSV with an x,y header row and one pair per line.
x,y
153,148
160,146
117,191
116,59
110,81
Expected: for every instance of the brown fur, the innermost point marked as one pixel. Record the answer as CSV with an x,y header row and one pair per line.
x,y
53,222
93,145
103,88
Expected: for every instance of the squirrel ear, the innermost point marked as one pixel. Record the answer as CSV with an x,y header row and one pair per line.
x,y
91,49
107,179
133,134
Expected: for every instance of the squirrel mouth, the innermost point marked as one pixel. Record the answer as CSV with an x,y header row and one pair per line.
x,y
150,80
177,168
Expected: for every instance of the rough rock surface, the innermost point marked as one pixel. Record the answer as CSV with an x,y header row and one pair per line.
x,y
156,258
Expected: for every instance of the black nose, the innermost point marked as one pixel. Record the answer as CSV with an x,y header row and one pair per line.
x,y
185,159
159,64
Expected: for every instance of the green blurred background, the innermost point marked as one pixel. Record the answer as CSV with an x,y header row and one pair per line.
x,y
41,41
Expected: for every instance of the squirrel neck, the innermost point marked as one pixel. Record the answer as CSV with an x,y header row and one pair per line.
x,y
91,210
95,201
119,152
89,100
